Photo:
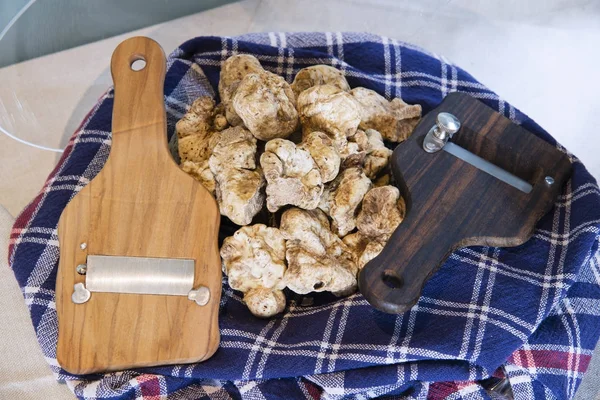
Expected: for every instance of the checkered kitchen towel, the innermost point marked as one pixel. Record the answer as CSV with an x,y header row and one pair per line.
x,y
531,312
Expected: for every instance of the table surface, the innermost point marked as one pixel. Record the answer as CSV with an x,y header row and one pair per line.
x,y
540,56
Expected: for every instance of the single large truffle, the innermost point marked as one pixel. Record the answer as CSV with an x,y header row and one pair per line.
x,y
329,109
395,119
327,158
317,259
292,176
253,259
267,105
381,212
233,70
342,199
319,75
239,182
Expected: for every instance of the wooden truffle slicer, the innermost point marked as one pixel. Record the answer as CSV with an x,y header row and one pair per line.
x,y
489,185
139,276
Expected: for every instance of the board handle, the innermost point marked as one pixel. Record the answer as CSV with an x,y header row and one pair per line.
x,y
138,67
392,282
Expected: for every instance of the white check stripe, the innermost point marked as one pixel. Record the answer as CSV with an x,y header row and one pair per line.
x,y
466,342
468,307
329,41
325,344
273,39
341,328
572,328
397,76
269,343
487,299
255,348
520,274
395,337
444,72
282,39
388,67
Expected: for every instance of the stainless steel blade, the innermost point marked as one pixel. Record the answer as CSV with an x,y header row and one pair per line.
x,y
488,167
141,275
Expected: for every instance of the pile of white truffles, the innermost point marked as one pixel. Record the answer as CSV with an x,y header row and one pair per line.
x,y
313,154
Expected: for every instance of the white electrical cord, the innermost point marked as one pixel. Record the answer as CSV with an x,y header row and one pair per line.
x,y
2,34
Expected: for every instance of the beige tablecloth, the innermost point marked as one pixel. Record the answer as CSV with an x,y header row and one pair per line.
x,y
24,373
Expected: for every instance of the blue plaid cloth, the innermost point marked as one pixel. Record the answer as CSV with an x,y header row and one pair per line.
x,y
531,312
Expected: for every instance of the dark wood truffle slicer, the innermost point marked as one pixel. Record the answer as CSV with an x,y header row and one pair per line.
x,y
469,177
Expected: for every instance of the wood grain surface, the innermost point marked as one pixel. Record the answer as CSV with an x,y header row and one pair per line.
x,y
140,204
452,204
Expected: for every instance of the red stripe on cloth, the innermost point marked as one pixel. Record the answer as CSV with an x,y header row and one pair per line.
x,y
24,219
441,390
149,386
550,359
313,390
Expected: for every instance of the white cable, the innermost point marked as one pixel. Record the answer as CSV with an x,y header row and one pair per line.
x,y
2,34
16,17
37,146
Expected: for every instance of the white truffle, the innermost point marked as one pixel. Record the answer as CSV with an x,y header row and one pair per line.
x,y
292,176
372,155
327,158
202,173
395,120
317,259
198,120
363,248
329,109
197,148
343,198
233,70
378,156
264,303
308,227
319,75
196,141
236,148
239,194
381,213
253,259
267,105
239,181
220,122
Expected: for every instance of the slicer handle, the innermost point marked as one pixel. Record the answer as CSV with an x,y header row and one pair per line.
x,y
139,98
392,281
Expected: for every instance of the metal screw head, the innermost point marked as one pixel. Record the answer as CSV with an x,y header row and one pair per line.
x,y
200,295
80,294
81,269
447,123
549,180
83,246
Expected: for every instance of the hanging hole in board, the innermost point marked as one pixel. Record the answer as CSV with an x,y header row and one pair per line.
x,y
391,279
138,64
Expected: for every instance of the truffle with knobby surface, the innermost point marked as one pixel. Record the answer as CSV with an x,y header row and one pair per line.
x,y
395,119
292,176
267,106
319,75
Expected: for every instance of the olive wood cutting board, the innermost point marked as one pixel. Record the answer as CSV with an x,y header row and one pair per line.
x,y
140,205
